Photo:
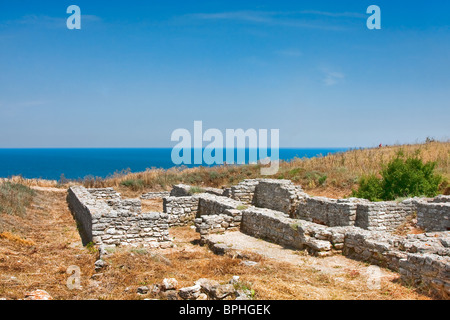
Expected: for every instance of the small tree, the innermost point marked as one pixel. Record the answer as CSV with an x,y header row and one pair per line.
x,y
401,178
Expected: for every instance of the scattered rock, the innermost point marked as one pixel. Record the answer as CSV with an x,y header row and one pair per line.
x,y
222,291
169,295
206,285
142,290
234,280
38,295
99,264
202,296
190,293
220,248
249,263
169,284
156,289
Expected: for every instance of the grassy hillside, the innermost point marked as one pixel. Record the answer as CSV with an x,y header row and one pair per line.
x,y
332,175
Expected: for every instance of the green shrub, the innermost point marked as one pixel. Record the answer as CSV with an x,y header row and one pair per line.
x,y
370,188
15,198
134,185
401,178
323,179
194,190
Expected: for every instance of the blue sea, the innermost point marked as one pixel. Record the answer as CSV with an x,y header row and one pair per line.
x,y
80,163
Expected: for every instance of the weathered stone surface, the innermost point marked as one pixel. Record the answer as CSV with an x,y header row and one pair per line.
x,y
169,284
190,293
155,195
142,290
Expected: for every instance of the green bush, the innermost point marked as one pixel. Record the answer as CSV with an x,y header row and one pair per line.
x,y
194,190
134,185
401,178
370,188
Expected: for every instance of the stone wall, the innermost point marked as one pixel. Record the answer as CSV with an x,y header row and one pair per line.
x,y
180,190
433,216
243,191
229,219
277,227
422,259
441,199
155,195
385,215
326,211
180,210
104,193
210,204
116,222
277,194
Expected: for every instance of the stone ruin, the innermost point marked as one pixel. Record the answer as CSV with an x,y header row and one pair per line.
x,y
280,212
104,218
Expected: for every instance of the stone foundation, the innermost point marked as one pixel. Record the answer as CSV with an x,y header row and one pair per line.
x,y
155,195
115,221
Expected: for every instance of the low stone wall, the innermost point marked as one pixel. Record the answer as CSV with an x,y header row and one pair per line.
x,y
217,214
423,259
180,190
326,211
441,199
277,194
155,195
116,222
433,216
104,193
384,216
243,191
210,204
229,220
125,206
277,227
85,207
428,271
180,210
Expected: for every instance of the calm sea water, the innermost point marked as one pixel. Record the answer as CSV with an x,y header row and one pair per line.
x,y
80,163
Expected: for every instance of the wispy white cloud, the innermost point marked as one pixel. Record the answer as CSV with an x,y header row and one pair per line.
x,y
298,19
332,78
293,53
335,14
48,21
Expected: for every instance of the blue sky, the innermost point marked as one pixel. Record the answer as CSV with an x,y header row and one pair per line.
x,y
138,70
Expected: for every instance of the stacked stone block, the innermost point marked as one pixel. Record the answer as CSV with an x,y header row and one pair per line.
x,y
116,222
155,195
434,216
180,210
